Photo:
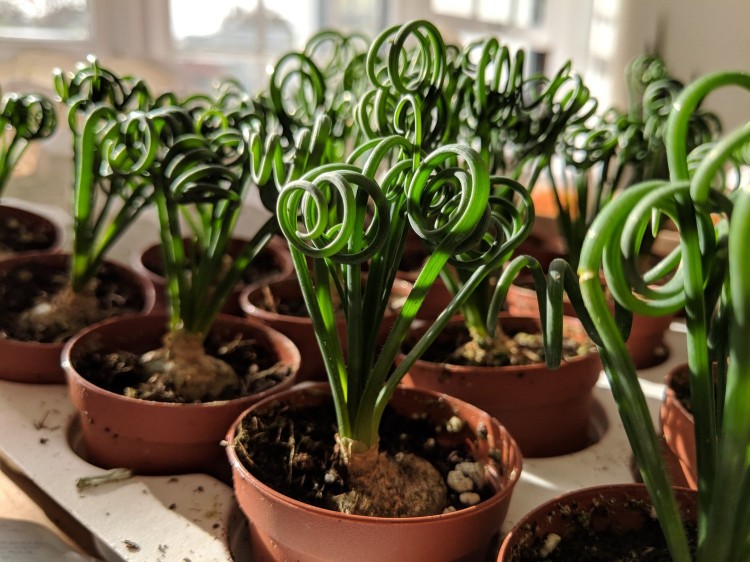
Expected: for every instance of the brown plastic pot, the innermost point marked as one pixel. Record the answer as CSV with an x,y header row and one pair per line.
x,y
678,429
299,328
285,529
646,341
547,412
35,362
626,510
152,437
149,261
39,223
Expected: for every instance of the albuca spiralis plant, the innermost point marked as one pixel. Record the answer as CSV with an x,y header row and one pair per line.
x,y
24,118
345,219
707,274
107,198
208,173
107,143
516,122
480,97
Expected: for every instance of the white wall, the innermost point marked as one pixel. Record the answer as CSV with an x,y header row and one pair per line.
x,y
695,37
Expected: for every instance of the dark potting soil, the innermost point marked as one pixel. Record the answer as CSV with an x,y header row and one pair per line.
x,y
292,451
522,349
29,284
595,538
680,383
122,372
19,236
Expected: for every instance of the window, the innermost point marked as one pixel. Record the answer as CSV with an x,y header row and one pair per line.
x,y
240,38
188,44
518,23
44,19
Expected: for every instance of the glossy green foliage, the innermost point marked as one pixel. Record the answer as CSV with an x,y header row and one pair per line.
x,y
706,274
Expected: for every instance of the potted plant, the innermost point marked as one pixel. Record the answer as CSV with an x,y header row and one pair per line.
x,y
192,367
24,118
514,121
711,282
48,298
336,218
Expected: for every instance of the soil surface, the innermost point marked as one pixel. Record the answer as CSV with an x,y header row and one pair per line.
x,y
18,236
594,537
27,285
522,348
123,372
292,451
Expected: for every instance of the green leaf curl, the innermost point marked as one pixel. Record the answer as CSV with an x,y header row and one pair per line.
x,y
328,205
93,84
468,207
29,116
194,173
131,146
411,71
297,89
678,125
333,51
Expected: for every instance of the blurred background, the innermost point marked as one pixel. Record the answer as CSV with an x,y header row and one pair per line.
x,y
187,44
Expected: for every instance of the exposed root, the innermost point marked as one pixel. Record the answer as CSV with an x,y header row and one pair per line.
x,y
64,313
403,485
184,365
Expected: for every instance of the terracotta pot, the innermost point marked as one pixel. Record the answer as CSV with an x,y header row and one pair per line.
x,y
646,341
148,262
547,412
35,362
299,328
285,529
678,430
152,437
559,515
33,221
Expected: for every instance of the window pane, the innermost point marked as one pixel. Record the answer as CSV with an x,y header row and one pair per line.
x,y
496,11
457,8
44,19
363,16
251,27
241,38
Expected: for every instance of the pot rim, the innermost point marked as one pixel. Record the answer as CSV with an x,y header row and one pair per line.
x,y
514,471
253,311
57,226
542,509
74,377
